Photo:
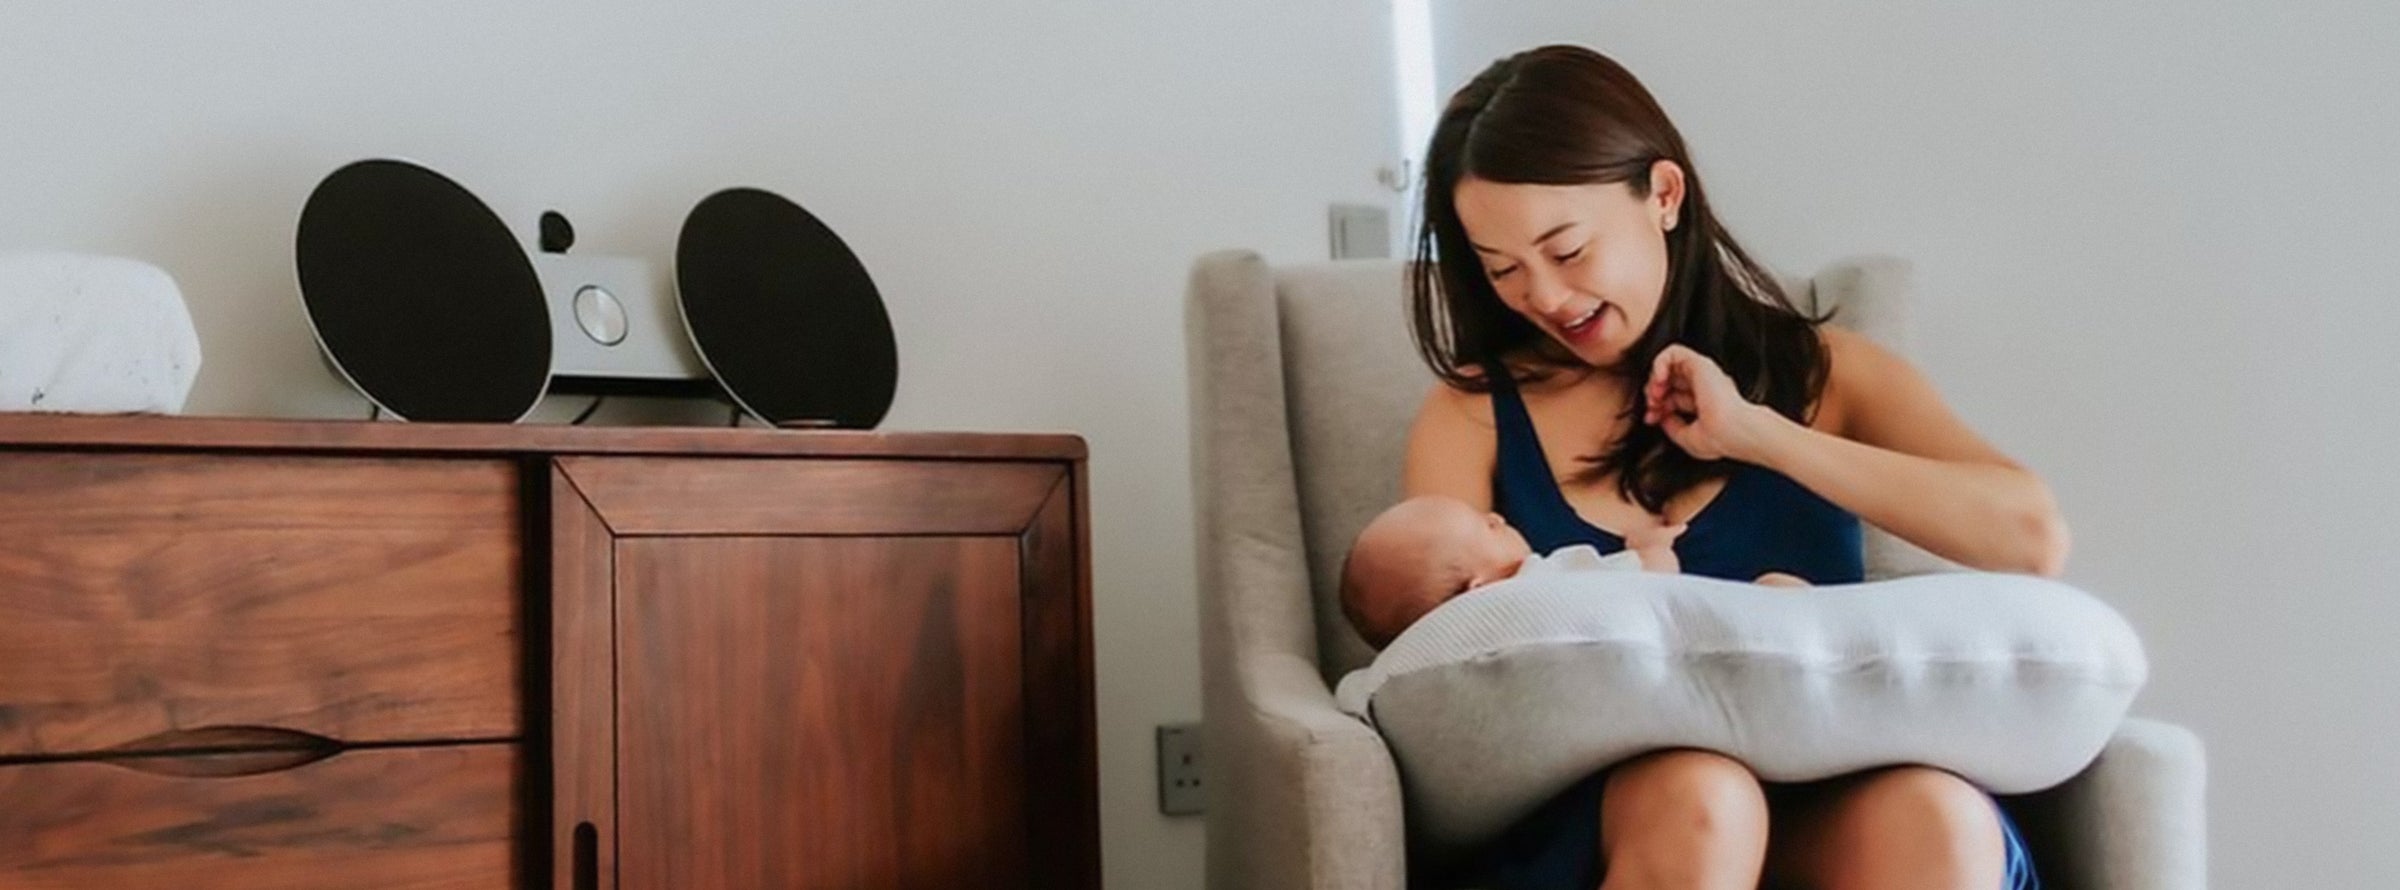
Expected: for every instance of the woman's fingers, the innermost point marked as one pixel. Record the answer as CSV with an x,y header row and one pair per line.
x,y
1669,361
1681,379
1668,374
1681,365
1662,367
1682,400
1675,426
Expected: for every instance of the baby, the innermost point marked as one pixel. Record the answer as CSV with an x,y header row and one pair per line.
x,y
1425,550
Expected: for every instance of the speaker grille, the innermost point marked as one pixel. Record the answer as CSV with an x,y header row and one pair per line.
x,y
783,313
421,296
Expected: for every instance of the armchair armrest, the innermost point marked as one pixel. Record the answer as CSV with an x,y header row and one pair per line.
x,y
2134,820
1301,794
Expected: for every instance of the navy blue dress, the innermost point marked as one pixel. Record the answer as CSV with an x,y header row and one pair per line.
x,y
1760,522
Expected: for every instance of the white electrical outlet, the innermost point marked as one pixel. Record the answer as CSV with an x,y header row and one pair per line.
x,y
1180,792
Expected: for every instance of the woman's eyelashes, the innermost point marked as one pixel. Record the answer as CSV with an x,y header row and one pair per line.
x,y
1557,260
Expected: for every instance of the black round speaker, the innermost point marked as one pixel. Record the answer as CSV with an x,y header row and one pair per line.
x,y
783,313
420,295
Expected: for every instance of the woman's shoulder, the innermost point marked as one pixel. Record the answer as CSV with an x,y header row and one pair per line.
x,y
1449,402
1451,450
1857,370
1470,392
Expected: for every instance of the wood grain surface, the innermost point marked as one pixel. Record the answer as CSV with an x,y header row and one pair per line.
x,y
821,713
436,818
583,740
294,654
360,600
1062,754
710,496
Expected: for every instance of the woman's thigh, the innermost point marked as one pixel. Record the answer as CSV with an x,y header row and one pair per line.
x,y
1679,807
1902,826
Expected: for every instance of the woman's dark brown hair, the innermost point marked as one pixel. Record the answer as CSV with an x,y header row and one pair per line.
x,y
1565,115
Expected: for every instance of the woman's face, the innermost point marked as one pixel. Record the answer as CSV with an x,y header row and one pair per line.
x,y
1585,263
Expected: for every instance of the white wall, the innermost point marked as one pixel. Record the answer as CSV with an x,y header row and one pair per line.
x,y
2155,246
1028,182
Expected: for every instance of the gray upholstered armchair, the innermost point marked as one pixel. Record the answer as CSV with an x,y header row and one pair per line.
x,y
1304,381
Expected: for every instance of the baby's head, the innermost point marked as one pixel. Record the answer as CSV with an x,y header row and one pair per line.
x,y
1419,554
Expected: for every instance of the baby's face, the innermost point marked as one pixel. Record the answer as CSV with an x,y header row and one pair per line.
x,y
1417,555
1483,543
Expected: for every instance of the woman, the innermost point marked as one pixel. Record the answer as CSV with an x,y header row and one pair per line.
x,y
1612,363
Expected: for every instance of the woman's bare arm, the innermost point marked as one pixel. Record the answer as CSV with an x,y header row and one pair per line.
x,y
1900,459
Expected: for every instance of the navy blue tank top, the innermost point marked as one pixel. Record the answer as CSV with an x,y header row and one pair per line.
x,y
1760,522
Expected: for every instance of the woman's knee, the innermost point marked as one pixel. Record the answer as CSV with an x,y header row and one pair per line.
x,y
1692,791
1682,819
1931,825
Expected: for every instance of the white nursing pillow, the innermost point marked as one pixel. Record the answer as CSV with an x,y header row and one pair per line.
x,y
1506,696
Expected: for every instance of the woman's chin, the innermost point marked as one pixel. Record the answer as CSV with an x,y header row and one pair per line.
x,y
1599,355
1598,344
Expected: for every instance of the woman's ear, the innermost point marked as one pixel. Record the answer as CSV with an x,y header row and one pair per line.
x,y
1666,193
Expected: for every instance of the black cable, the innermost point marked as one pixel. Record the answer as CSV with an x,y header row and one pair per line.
x,y
374,411
736,418
587,411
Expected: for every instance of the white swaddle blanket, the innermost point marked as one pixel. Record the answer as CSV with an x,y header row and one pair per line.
x,y
93,334
1579,558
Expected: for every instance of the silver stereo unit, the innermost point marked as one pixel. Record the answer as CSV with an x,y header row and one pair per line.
x,y
424,301
614,326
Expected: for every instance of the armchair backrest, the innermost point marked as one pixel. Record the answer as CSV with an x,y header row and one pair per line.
x,y
1304,384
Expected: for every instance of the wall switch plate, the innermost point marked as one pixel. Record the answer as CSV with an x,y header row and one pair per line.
x,y
1180,792
1361,231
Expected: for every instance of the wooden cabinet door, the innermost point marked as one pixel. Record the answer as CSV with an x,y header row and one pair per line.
x,y
821,674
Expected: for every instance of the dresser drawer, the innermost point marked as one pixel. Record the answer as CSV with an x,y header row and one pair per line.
x,y
380,819
358,599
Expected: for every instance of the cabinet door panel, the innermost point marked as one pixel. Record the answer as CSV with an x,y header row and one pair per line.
x,y
820,712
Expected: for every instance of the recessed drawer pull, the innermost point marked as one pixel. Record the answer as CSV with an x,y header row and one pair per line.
x,y
224,751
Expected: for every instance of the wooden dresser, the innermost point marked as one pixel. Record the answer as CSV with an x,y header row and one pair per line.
x,y
317,655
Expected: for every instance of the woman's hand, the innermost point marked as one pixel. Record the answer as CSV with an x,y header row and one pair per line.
x,y
1700,408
